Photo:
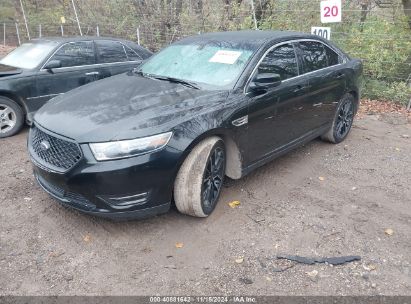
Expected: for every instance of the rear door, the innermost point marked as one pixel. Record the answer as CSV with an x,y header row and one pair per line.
x,y
77,69
322,67
115,58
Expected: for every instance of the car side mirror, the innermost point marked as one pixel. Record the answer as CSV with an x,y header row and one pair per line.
x,y
52,64
263,81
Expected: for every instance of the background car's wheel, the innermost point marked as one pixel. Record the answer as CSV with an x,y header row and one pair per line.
x,y
343,120
200,179
11,117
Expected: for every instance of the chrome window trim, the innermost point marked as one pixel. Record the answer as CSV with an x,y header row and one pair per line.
x,y
299,75
87,65
129,48
44,96
115,41
125,52
95,65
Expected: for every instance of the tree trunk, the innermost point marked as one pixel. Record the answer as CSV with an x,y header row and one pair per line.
x,y
365,7
407,10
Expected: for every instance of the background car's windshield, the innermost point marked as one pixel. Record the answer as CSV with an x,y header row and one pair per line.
x,y
215,64
28,55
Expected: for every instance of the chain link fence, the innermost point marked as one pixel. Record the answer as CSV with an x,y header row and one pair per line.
x,y
379,35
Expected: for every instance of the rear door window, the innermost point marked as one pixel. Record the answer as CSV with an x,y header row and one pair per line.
x,y
332,57
314,56
75,54
110,51
281,60
131,55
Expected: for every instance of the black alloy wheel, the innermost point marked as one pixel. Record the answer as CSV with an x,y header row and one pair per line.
x,y
213,178
344,119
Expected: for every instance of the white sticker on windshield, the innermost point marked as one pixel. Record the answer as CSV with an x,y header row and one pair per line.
x,y
227,57
34,53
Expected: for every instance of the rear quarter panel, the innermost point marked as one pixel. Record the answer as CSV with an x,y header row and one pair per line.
x,y
354,79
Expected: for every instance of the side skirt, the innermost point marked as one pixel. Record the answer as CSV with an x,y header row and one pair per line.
x,y
285,149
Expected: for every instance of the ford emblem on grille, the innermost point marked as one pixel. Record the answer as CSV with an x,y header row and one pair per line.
x,y
51,152
45,145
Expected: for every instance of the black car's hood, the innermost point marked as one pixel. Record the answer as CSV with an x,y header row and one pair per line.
x,y
124,107
6,70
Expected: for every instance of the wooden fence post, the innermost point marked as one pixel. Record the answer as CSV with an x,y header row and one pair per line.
x,y
254,17
18,33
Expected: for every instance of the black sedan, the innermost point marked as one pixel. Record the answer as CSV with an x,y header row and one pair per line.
x,y
206,107
44,68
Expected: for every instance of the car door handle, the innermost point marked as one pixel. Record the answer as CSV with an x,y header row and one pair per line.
x,y
300,88
92,73
339,75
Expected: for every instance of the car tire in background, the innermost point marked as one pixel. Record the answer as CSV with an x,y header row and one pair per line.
x,y
11,117
200,178
342,121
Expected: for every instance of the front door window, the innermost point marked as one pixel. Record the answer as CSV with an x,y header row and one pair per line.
x,y
75,54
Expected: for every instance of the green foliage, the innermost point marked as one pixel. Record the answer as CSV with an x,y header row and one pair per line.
x,y
381,36
385,48
397,91
7,11
382,42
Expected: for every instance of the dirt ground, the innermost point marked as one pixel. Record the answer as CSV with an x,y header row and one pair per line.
x,y
320,200
5,49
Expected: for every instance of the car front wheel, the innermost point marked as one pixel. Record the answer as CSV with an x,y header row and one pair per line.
x,y
11,117
200,178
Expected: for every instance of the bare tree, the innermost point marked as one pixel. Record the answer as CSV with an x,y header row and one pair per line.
x,y
407,10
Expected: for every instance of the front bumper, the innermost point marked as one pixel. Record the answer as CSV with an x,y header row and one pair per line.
x,y
78,202
130,188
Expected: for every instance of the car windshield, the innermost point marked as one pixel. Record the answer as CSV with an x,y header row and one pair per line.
x,y
214,64
29,55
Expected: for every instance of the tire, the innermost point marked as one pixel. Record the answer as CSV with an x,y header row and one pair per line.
x,y
11,117
196,189
342,122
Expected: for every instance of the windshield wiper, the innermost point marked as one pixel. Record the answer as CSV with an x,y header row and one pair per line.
x,y
166,78
176,80
139,72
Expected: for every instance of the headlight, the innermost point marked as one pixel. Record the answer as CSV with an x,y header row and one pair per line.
x,y
129,148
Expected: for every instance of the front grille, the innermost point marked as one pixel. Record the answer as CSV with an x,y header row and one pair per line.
x,y
53,152
75,199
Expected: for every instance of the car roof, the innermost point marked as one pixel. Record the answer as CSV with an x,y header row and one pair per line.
x,y
255,37
75,38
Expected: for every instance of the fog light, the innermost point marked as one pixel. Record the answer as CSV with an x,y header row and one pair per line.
x,y
126,202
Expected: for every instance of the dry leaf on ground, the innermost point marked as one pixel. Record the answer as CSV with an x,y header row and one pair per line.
x,y
378,107
234,204
87,238
389,231
239,260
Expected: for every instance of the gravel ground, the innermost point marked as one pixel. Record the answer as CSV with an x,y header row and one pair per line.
x,y
320,200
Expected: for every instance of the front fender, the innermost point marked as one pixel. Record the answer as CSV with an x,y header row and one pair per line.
x,y
215,123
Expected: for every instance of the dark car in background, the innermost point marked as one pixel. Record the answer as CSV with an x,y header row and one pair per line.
x,y
44,68
206,107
